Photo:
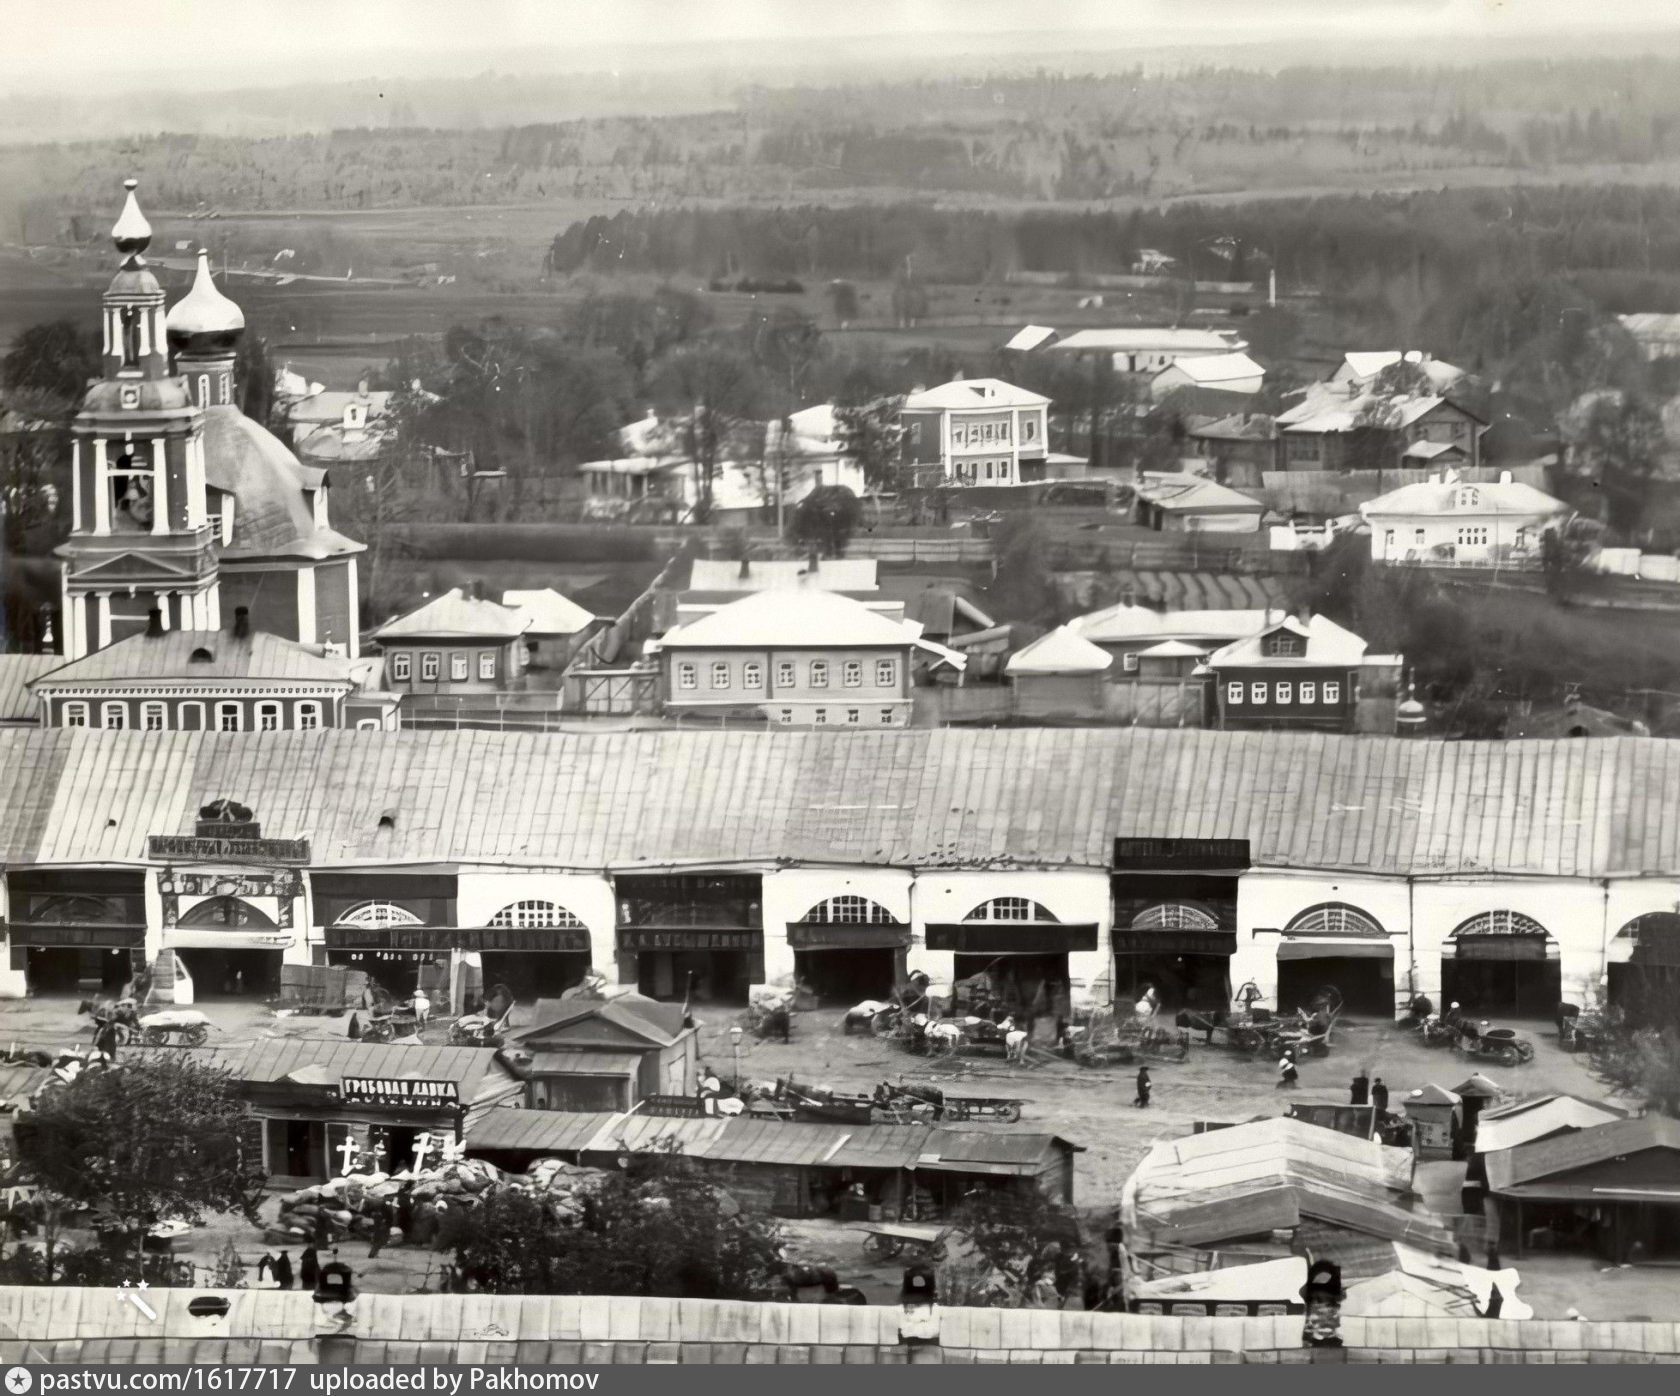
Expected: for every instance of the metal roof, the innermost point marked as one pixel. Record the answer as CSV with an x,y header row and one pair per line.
x,y
582,1062
169,657
1036,797
17,672
1512,1169
455,615
546,1131
1531,1120
277,1058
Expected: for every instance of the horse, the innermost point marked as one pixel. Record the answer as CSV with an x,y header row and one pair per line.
x,y
796,1276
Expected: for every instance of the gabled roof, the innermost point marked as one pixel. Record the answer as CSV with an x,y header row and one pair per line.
x,y
1330,407
1194,494
1364,365
169,657
328,406
1062,651
546,612
1431,450
1031,337
456,616
1445,494
1239,426
1430,1094
973,394
1530,1120
1211,370
938,609
1122,623
1326,643
1137,340
1532,1167
659,1024
1173,649
793,617
327,1061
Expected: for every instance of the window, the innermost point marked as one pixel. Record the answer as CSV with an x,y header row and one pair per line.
x,y
1233,693
1469,498
1309,693
1332,693
1501,923
399,666
959,434
1284,646
886,673
821,718
153,717
1336,919
222,392
1417,537
1003,470
1174,916
784,674
487,665
787,715
752,676
1302,447
1010,909
1030,432
457,667
915,433
848,911
853,715
308,716
1003,431
1472,537
378,915
886,717
204,390
854,673
720,674
687,676
988,470
1257,692
114,716
986,432
429,667
1285,692
268,717
535,914
819,673
1129,662
1388,540
367,724
228,717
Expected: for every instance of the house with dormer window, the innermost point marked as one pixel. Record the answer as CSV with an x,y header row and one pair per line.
x,y
1294,672
1447,521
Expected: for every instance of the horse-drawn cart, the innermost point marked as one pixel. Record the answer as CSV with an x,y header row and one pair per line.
x,y
1004,1109
889,1240
179,1027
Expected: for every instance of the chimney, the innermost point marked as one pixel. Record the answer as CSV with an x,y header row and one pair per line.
x,y
746,569
241,622
1504,477
813,563
154,624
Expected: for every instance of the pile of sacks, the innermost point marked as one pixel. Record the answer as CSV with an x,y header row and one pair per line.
x,y
561,1186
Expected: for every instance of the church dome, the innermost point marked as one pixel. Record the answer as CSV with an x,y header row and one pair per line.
x,y
131,232
204,318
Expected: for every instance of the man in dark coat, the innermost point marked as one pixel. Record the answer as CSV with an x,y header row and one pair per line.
x,y
309,1268
1142,1100
1379,1095
1360,1092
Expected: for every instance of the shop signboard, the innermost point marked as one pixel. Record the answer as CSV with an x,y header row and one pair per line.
x,y
398,1091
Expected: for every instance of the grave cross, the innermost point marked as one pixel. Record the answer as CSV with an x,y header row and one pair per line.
x,y
422,1147
348,1149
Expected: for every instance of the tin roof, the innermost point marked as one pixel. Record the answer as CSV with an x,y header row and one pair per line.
x,y
169,656
544,1131
332,1059
1526,1168
1529,1120
457,615
17,672
1038,797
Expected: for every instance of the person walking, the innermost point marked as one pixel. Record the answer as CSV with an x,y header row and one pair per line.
x,y
1142,1100
1379,1095
422,1008
1287,1074
309,1268
1360,1091
381,1236
281,1269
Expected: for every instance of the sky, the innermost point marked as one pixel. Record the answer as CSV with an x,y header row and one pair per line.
x,y
219,44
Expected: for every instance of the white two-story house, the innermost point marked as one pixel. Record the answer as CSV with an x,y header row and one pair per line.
x,y
977,431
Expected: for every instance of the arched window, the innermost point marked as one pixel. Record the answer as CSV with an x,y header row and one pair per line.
x,y
1500,923
80,910
535,914
227,912
849,911
1010,909
1653,922
379,914
1336,919
1174,916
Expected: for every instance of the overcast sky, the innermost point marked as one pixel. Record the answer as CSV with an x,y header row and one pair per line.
x,y
225,43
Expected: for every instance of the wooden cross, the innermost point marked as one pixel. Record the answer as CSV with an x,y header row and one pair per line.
x,y
422,1147
454,1150
348,1149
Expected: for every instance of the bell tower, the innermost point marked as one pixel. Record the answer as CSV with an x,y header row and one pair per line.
x,y
139,536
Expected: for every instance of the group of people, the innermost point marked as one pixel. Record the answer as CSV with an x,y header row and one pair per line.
x,y
1365,1091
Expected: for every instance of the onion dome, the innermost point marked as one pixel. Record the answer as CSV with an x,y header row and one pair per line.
x,y
204,318
131,232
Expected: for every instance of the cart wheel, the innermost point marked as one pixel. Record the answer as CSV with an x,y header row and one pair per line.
x,y
197,1035
884,1023
1010,1112
1509,1056
153,1037
1526,1050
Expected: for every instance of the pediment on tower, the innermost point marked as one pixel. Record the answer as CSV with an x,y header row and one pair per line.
x,y
137,569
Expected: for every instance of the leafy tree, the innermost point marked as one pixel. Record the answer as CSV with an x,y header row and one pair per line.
x,y
786,345
1022,1236
658,1228
1023,587
827,518
253,382
871,435
1636,1050
709,392
53,359
1563,558
34,452
155,1137
1615,448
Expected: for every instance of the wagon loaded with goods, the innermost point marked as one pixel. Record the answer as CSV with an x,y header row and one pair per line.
x,y
178,1027
909,1104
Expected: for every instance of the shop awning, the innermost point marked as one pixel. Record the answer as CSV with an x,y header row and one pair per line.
x,y
655,938
78,937
1002,938
215,938
1335,950
1501,947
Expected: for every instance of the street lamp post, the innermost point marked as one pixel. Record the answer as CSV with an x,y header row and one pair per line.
x,y
735,1042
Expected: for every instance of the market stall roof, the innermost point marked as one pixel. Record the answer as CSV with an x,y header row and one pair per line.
x,y
1479,1087
536,1131
616,1022
1511,1126
1546,1167
1266,1281
1430,1094
585,1063
1271,1175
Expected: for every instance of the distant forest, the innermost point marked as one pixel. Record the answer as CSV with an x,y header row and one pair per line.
x,y
1036,138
